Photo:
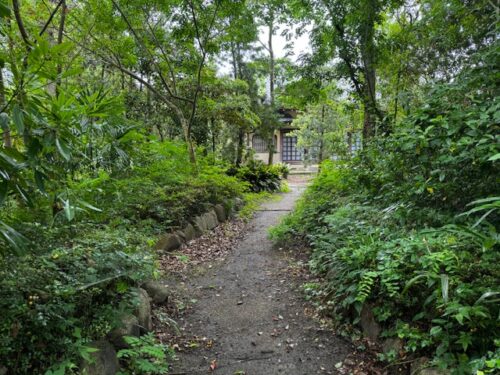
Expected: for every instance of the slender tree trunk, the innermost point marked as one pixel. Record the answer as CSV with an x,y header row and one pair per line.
x,y
214,136
160,132
368,57
271,62
7,141
271,85
235,63
240,146
396,97
271,150
322,132
60,34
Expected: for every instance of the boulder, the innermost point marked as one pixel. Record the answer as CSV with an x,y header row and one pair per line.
x,y
181,235
211,219
129,327
200,225
158,292
189,232
238,203
392,344
370,327
104,361
433,371
168,242
220,212
421,367
143,311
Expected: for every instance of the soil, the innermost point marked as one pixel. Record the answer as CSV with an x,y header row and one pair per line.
x,y
246,314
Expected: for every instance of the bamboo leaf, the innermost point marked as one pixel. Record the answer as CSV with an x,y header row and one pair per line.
x,y
69,210
18,118
63,149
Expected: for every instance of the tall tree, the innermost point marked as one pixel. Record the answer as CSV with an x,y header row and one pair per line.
x,y
349,37
271,14
174,39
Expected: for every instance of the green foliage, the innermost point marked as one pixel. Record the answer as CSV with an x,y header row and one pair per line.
x,y
259,176
54,303
283,169
145,356
394,227
146,192
89,245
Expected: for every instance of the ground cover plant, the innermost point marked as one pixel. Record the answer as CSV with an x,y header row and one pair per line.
x,y
409,228
121,121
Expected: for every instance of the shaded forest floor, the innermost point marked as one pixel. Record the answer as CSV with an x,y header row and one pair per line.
x,y
240,309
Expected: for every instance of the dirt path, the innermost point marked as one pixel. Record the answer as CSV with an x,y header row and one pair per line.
x,y
250,316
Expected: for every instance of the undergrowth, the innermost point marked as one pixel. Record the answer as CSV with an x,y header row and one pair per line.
x,y
409,229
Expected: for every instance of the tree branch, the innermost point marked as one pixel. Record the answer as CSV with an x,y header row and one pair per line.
x,y
20,24
44,28
153,60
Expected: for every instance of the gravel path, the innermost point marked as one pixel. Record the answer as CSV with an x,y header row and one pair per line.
x,y
249,315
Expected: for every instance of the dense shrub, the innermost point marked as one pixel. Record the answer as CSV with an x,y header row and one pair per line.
x,y
259,176
388,230
161,187
53,304
87,245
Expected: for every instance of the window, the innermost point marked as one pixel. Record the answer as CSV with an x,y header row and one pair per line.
x,y
259,144
354,141
290,150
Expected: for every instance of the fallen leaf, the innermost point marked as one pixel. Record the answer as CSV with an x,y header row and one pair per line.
x,y
213,365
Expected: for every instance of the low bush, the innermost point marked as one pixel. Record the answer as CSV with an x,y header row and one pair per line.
x,y
394,228
435,288
54,304
86,245
259,176
162,188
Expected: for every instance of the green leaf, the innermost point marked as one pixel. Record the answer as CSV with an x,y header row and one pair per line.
x,y
39,177
444,286
465,340
4,9
17,241
494,157
88,205
69,210
485,296
4,121
460,318
63,149
18,118
436,330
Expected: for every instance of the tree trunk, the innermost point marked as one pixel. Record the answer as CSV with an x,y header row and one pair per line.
x,y
7,141
322,132
271,62
271,150
271,85
60,34
240,146
214,136
235,63
368,57
187,137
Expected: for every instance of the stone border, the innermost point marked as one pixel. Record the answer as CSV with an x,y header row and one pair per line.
x,y
105,360
199,225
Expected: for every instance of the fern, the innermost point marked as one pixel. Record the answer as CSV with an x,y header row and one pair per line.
x,y
365,285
